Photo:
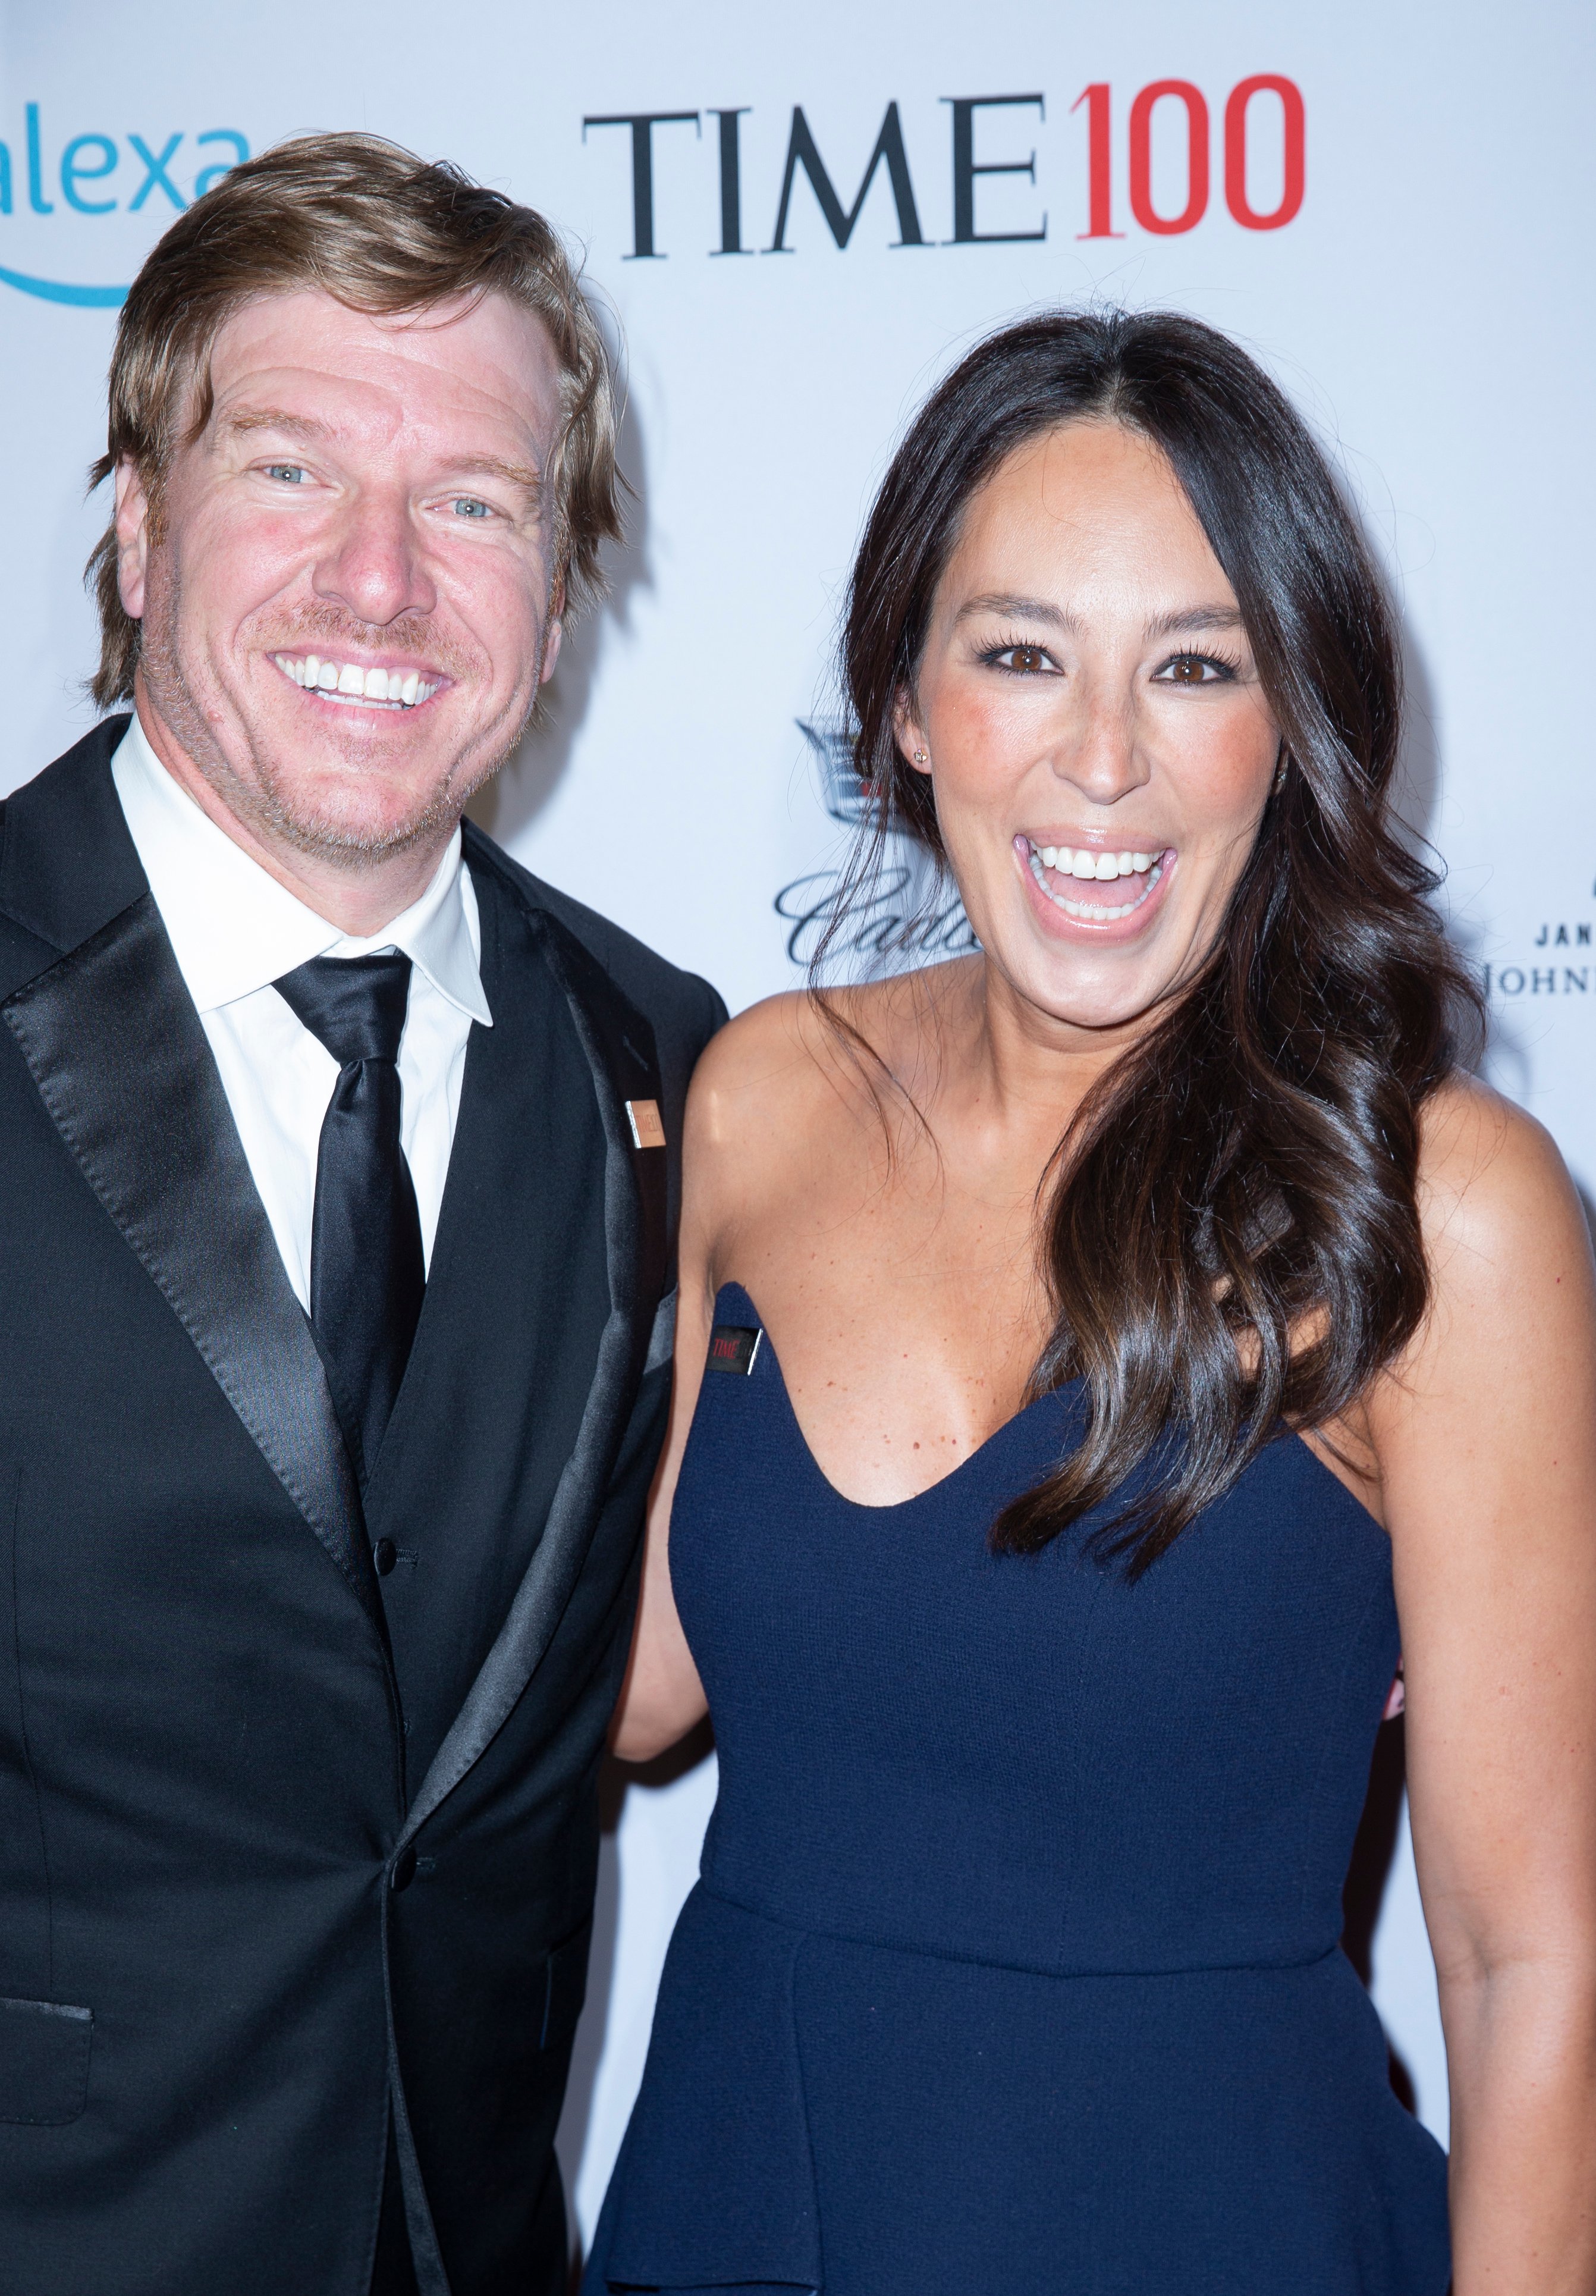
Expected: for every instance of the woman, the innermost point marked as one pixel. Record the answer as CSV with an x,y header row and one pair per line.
x,y
1135,1336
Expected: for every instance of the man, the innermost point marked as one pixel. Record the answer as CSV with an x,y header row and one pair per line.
x,y
338,1183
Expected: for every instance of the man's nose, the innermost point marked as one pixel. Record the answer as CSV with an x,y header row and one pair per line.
x,y
372,564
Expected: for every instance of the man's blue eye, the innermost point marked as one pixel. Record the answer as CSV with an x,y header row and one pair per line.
x,y
467,507
290,472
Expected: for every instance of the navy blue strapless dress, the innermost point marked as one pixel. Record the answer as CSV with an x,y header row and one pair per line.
x,y
1014,1962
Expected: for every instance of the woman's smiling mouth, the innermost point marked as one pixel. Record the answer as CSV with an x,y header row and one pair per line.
x,y
1054,866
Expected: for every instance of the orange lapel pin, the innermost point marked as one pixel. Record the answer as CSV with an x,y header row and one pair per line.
x,y
643,1117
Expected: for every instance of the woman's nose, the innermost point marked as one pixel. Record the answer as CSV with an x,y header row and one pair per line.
x,y
1101,755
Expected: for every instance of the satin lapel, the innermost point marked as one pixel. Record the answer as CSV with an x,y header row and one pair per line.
x,y
619,1043
68,864
121,1063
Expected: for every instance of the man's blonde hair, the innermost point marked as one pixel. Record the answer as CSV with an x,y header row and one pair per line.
x,y
383,232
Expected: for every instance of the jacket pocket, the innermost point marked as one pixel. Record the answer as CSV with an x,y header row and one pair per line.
x,y
44,2062
565,1988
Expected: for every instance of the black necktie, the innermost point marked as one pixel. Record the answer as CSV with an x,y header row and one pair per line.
x,y
366,1271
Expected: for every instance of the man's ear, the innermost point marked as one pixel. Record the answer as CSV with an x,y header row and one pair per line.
x,y
554,630
132,537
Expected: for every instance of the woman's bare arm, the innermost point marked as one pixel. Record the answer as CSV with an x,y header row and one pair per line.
x,y
735,1133
662,1697
1487,1447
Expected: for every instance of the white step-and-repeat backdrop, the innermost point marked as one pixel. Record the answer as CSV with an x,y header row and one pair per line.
x,y
799,217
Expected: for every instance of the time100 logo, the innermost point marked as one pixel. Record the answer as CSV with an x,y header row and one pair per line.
x,y
1262,133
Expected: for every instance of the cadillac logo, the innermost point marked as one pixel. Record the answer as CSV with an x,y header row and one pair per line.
x,y
846,797
905,915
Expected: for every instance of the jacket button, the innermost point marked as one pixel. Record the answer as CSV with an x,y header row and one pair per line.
x,y
384,1554
402,1872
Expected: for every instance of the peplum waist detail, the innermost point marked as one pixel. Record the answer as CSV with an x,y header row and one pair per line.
x,y
771,2039
1009,1917
1127,1955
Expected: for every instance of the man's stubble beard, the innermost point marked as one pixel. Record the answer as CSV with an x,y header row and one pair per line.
x,y
266,807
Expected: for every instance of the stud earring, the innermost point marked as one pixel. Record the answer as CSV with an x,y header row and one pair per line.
x,y
922,757
1279,776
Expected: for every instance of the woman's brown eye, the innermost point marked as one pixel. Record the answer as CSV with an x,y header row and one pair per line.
x,y
1188,669
1027,658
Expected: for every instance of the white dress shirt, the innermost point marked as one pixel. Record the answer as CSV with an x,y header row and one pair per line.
x,y
234,930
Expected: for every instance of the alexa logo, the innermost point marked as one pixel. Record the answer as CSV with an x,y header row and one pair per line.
x,y
66,172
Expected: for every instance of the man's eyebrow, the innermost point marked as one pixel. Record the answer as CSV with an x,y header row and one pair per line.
x,y
273,418
494,466
1029,610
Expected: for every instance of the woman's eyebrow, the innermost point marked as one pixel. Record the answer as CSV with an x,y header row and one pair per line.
x,y
1176,624
1194,618
1031,609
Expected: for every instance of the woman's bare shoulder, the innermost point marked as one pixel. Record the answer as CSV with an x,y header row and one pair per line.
x,y
1492,1180
765,1060
762,1097
1506,1240
798,1087
790,1054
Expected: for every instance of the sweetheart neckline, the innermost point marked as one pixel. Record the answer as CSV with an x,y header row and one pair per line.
x,y
887,1506
896,1506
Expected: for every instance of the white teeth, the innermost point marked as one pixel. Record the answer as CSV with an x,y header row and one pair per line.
x,y
1103,867
392,688
1097,912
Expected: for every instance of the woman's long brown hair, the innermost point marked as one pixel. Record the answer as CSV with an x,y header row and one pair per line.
x,y
1229,1231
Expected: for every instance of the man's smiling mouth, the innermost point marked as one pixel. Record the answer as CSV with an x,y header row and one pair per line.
x,y
351,681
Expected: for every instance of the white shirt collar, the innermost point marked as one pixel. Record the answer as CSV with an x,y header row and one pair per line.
x,y
234,929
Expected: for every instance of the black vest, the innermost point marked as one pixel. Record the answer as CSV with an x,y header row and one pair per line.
x,y
285,1844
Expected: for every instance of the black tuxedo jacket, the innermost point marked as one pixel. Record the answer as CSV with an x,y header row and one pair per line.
x,y
298,1812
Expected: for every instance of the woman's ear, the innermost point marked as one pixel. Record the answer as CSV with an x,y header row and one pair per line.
x,y
911,735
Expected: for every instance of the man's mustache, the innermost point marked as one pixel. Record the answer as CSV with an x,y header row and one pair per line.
x,y
331,631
